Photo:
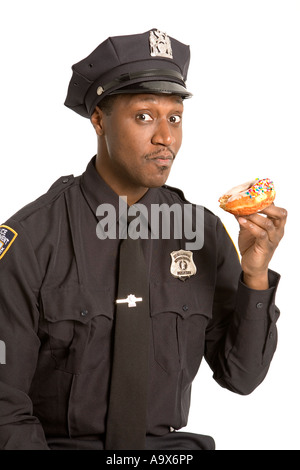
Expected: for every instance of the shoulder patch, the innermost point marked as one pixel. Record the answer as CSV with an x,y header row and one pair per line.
x,y
7,237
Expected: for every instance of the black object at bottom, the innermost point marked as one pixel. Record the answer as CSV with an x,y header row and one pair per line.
x,y
173,441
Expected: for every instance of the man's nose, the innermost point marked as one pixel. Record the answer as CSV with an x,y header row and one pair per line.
x,y
163,134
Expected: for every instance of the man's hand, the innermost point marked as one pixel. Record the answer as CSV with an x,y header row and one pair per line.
x,y
258,239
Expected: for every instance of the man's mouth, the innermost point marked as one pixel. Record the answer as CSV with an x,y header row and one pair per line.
x,y
162,161
161,158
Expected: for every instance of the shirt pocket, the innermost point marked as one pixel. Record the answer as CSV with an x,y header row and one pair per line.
x,y
78,323
180,312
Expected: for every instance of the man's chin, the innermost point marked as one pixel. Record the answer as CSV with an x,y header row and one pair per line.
x,y
159,180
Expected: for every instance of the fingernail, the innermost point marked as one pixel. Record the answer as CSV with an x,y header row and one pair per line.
x,y
242,220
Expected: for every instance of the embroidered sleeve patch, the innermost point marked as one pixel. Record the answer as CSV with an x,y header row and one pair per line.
x,y
7,237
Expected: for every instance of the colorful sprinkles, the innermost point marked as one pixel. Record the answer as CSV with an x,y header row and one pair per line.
x,y
260,187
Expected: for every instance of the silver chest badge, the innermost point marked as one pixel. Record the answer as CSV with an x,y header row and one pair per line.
x,y
182,266
160,44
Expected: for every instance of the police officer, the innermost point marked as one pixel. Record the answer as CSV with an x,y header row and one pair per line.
x,y
59,271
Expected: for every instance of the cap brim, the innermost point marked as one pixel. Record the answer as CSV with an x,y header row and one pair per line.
x,y
155,87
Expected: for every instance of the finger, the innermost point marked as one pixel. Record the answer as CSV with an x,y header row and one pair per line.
x,y
262,221
260,227
277,214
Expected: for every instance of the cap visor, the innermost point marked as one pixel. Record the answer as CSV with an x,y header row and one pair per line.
x,y
155,87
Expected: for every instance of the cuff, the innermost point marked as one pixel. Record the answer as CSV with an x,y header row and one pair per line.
x,y
254,303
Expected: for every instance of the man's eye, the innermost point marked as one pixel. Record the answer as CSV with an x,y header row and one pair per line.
x,y
144,117
175,119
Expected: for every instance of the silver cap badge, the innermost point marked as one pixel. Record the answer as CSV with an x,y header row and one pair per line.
x,y
160,44
182,265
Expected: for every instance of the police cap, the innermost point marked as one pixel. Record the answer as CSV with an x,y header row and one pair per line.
x,y
151,62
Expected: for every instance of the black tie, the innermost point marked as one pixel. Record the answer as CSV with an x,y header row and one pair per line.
x,y
126,420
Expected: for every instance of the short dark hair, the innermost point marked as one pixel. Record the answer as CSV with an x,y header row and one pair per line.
x,y
106,104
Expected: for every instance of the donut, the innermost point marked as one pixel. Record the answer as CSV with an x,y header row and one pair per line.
x,y
249,197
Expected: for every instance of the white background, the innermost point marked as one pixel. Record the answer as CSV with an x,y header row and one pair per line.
x,y
242,123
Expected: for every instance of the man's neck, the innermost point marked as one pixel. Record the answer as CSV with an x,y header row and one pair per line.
x,y
133,193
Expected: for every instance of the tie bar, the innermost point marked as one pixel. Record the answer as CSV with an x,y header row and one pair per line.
x,y
131,300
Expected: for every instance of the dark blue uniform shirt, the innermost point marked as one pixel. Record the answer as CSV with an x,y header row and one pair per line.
x,y
58,285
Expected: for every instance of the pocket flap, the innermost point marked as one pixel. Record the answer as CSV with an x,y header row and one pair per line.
x,y
76,303
184,298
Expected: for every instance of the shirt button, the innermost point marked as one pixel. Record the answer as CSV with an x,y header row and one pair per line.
x,y
65,180
259,305
185,308
84,313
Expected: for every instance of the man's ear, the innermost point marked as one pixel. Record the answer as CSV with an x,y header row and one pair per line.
x,y
97,121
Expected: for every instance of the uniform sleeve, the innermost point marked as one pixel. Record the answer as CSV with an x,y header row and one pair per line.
x,y
242,335
19,315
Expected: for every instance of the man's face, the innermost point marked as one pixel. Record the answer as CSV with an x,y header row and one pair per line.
x,y
140,138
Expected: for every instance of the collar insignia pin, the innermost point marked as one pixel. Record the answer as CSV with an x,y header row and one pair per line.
x,y
182,266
